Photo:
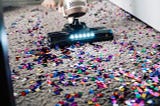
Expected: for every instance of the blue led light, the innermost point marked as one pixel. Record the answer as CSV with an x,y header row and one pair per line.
x,y
92,34
72,37
87,35
82,36
76,36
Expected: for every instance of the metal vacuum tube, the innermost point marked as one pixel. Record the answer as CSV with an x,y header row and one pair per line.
x,y
74,8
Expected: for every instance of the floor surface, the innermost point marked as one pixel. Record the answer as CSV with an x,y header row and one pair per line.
x,y
122,72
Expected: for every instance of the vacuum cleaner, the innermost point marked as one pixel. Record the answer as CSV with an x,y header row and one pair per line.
x,y
75,31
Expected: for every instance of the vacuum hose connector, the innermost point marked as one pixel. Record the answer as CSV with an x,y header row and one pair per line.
x,y
74,8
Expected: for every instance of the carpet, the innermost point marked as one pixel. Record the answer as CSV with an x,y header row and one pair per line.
x,y
121,72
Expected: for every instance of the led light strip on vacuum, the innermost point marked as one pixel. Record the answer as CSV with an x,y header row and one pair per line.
x,y
80,36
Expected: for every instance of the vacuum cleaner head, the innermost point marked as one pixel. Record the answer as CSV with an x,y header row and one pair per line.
x,y
78,32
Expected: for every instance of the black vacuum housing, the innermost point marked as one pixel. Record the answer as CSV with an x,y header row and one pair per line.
x,y
68,35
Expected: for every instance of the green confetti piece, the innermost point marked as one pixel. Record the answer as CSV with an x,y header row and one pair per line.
x,y
138,96
156,89
79,71
101,55
135,90
69,74
121,79
80,93
143,50
136,64
44,65
93,79
158,60
149,81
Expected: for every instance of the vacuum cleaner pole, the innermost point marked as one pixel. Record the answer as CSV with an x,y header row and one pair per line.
x,y
6,90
